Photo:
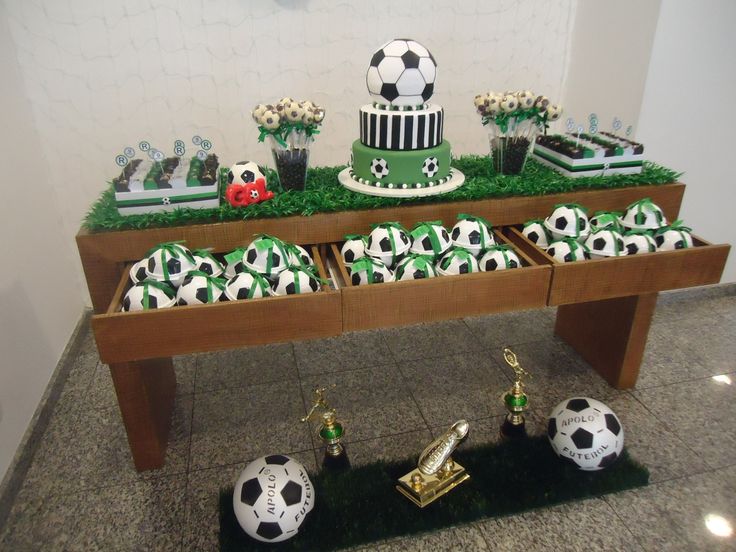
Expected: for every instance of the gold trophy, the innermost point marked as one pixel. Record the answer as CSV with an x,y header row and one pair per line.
x,y
515,400
436,473
330,431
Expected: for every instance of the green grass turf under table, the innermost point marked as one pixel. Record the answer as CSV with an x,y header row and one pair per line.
x,y
361,506
324,194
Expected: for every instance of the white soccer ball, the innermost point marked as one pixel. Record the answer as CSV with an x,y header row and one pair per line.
x,y
637,242
379,168
554,112
169,262
272,497
370,271
244,172
234,263
509,103
401,73
586,433
149,294
568,221
605,219
472,234
415,267
430,167
388,242
298,256
499,257
526,99
537,233
567,250
199,289
429,238
605,243
247,285
457,261
295,280
644,215
266,255
138,271
206,262
353,249
670,238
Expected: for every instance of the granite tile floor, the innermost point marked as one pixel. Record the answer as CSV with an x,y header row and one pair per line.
x,y
396,388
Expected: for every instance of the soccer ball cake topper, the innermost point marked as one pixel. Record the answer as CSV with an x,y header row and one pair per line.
x,y
401,73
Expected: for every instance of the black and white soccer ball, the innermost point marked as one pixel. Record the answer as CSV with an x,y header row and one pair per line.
x,y
147,295
298,256
537,233
401,73
266,255
370,271
644,215
379,168
198,289
244,172
353,249
388,242
639,242
568,221
206,262
169,262
430,167
499,257
586,433
605,243
604,219
670,238
472,234
234,263
295,280
430,238
272,497
457,261
567,250
415,267
247,285
138,271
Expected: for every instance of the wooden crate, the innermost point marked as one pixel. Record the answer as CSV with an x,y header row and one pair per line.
x,y
599,279
129,336
441,298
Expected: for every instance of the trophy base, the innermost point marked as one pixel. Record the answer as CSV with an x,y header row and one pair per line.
x,y
433,487
336,463
513,431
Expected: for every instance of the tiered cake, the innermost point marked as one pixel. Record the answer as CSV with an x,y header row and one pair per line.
x,y
401,151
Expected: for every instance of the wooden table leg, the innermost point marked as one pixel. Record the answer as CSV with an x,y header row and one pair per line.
x,y
145,391
610,334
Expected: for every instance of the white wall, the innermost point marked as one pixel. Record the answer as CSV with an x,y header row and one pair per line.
x,y
686,112
40,301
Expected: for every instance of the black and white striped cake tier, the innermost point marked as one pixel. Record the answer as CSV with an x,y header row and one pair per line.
x,y
401,130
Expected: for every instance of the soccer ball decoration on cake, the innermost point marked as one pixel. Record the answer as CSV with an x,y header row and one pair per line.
x,y
674,236
388,242
199,288
149,294
586,433
169,262
537,233
567,250
353,248
401,151
295,280
457,261
415,267
247,285
272,497
643,215
499,257
368,270
266,255
430,238
639,241
472,233
568,221
605,242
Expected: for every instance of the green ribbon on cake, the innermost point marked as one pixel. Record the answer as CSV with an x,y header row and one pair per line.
x,y
235,256
504,248
678,227
174,249
423,262
219,283
460,253
640,217
388,226
206,253
479,220
364,263
608,218
164,287
573,244
428,228
265,242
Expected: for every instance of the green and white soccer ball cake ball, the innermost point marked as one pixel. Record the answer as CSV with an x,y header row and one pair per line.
x,y
568,221
639,242
567,250
147,295
206,262
353,249
387,243
605,243
298,256
169,262
370,271
138,271
266,255
644,215
499,257
586,433
199,289
247,285
295,280
472,234
607,220
457,261
537,233
415,267
671,238
272,498
430,239
244,172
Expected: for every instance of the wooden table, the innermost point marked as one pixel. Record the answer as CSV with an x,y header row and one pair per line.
x,y
605,306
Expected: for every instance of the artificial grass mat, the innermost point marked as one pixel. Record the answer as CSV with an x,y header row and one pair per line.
x,y
324,194
361,505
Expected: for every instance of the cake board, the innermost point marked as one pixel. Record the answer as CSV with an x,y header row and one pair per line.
x,y
457,179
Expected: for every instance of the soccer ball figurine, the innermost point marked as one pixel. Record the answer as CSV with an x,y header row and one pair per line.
x,y
244,172
499,257
472,234
169,262
568,221
567,250
643,215
247,285
605,242
368,270
272,497
206,262
266,255
353,248
430,238
457,261
388,242
639,241
675,236
537,233
586,433
415,267
149,294
401,73
199,288
138,271
295,280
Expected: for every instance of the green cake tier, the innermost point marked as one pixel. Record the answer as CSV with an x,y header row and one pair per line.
x,y
401,169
